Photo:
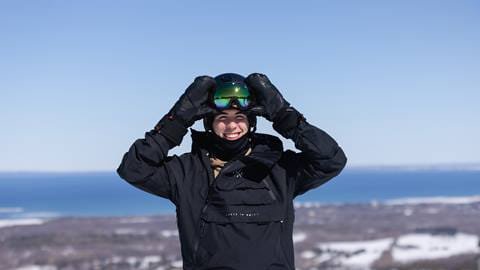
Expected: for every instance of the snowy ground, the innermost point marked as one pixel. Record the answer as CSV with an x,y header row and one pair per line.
x,y
359,253
406,234
404,249
18,222
412,247
435,200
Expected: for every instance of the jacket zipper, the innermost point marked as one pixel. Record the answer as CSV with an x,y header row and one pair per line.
x,y
282,228
211,180
211,177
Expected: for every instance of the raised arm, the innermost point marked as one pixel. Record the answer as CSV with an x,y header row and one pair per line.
x,y
320,158
146,164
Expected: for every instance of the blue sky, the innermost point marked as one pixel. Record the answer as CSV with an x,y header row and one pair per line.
x,y
394,82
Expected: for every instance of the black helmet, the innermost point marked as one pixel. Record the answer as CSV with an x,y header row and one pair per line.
x,y
238,96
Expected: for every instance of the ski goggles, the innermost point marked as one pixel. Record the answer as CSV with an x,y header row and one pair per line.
x,y
228,95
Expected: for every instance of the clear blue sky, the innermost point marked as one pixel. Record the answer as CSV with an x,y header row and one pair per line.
x,y
394,82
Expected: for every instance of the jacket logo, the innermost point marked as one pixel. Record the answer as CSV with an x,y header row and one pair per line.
x,y
237,173
236,214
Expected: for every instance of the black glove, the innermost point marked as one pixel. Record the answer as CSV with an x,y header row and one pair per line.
x,y
269,101
191,106
271,104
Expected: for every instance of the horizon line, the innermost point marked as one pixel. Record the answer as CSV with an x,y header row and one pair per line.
x,y
470,166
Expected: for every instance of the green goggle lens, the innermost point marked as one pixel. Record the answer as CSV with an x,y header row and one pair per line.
x,y
225,95
225,103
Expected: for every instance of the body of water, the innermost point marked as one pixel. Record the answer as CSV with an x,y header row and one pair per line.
x,y
44,195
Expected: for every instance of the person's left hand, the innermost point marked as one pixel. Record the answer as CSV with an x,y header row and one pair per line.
x,y
269,101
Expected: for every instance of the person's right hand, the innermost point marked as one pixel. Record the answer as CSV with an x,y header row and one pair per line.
x,y
193,104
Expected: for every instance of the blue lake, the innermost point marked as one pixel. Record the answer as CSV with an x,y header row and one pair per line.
x,y
106,194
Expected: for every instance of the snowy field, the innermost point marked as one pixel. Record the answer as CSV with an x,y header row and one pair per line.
x,y
396,234
404,249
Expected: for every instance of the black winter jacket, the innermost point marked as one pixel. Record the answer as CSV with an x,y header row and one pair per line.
x,y
243,219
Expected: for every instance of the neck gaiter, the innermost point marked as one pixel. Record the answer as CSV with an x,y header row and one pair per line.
x,y
227,150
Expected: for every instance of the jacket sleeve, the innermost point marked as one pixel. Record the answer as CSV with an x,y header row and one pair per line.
x,y
147,166
320,159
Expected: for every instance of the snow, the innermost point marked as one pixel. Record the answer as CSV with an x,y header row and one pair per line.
x,y
145,263
37,267
358,253
299,237
20,222
324,257
412,247
404,249
401,201
308,254
136,220
131,260
177,264
130,231
169,233
139,263
435,200
307,204
408,212
69,250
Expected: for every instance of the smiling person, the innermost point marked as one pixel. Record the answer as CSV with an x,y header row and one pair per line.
x,y
234,190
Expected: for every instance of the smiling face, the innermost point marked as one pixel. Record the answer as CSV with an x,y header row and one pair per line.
x,y
230,124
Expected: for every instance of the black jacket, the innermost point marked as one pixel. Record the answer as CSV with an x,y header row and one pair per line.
x,y
243,219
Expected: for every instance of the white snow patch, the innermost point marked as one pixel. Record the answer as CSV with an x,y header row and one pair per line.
x,y
374,203
69,250
358,253
146,261
408,212
130,231
169,233
307,204
407,248
413,247
308,254
131,260
324,257
20,222
37,267
435,200
299,237
135,220
177,264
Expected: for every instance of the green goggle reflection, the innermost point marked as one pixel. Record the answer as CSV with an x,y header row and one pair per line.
x,y
225,96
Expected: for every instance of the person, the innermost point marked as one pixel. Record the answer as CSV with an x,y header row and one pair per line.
x,y
234,190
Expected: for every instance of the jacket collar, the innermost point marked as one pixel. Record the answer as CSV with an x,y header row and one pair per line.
x,y
266,149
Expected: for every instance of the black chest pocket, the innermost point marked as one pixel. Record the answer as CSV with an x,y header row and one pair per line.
x,y
234,198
